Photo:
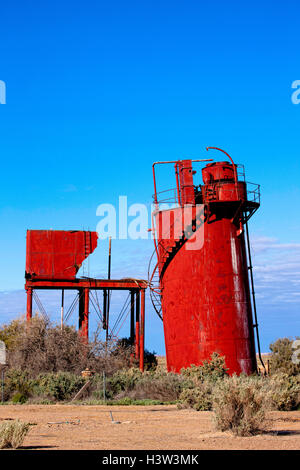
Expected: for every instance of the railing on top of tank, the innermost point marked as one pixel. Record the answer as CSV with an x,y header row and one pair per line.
x,y
253,194
214,190
169,196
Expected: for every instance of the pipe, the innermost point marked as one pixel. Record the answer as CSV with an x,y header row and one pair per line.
x,y
142,330
177,183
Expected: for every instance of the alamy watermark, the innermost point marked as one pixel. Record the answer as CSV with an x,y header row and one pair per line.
x,y
2,92
139,221
296,94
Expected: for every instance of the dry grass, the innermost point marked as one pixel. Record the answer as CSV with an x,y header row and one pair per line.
x,y
12,434
239,406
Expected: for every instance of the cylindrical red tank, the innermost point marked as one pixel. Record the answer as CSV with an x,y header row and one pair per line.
x,y
205,291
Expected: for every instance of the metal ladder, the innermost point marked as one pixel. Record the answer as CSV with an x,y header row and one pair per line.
x,y
250,269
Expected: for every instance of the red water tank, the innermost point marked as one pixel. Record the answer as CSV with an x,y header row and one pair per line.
x,y
203,272
57,254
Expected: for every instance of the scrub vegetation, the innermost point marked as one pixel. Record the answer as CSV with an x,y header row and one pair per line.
x,y
45,365
12,433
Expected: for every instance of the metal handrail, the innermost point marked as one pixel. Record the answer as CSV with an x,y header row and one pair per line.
x,y
171,199
175,162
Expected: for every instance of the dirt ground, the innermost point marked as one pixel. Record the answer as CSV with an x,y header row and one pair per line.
x,y
61,427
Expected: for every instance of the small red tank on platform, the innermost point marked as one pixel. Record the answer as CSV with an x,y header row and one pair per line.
x,y
57,254
203,269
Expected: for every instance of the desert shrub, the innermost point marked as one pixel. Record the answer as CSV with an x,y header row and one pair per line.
x,y
156,385
131,401
123,380
281,357
12,433
124,348
212,370
60,386
150,360
10,333
18,384
239,405
283,392
96,389
200,381
19,398
39,346
199,398
131,383
19,387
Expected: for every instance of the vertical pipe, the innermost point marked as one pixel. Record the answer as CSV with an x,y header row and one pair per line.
x,y
108,294
142,330
137,325
104,309
154,183
29,304
177,183
62,309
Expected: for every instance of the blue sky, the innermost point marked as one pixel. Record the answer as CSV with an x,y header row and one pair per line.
x,y
97,91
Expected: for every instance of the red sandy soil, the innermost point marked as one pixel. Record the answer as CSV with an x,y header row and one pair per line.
x,y
80,427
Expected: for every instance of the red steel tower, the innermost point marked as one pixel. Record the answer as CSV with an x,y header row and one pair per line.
x,y
203,260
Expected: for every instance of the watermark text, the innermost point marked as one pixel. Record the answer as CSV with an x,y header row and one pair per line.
x,y
2,92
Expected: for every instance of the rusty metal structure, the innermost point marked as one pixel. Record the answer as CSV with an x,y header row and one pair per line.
x,y
200,274
53,258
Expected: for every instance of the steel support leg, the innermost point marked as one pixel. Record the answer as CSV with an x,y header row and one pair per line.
x,y
142,330
85,324
29,304
137,326
132,295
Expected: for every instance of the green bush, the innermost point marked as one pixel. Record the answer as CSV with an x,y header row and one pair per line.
x,y
133,384
18,385
123,380
60,385
200,380
199,398
211,370
10,333
19,398
158,385
239,405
